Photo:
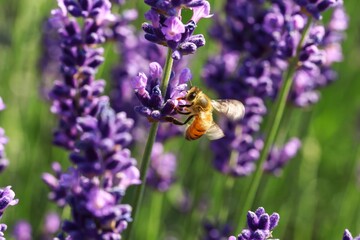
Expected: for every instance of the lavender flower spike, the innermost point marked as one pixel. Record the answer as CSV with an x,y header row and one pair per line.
x,y
162,168
260,225
347,236
147,89
167,29
7,199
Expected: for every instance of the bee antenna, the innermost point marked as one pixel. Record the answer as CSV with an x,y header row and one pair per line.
x,y
190,83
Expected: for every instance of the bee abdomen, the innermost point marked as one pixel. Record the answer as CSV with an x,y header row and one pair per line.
x,y
196,129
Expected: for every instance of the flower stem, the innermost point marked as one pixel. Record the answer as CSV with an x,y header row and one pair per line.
x,y
272,129
167,71
148,148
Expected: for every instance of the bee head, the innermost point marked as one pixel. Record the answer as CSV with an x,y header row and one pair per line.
x,y
192,93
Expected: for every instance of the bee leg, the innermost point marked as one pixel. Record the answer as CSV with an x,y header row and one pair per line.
x,y
187,105
176,121
183,112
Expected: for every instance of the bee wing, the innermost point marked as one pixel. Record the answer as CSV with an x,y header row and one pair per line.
x,y
214,132
233,109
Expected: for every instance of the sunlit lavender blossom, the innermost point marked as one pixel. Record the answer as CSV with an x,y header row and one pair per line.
x,y
260,225
167,29
22,230
161,173
215,231
147,88
78,94
258,40
347,236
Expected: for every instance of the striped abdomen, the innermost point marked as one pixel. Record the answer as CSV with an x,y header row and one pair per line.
x,y
199,126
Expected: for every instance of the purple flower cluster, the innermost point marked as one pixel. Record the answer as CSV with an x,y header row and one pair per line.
x,y
6,199
22,230
316,7
147,89
347,236
260,225
78,94
7,195
259,39
104,170
95,134
167,29
216,231
162,169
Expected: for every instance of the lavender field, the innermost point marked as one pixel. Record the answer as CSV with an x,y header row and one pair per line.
x,y
180,119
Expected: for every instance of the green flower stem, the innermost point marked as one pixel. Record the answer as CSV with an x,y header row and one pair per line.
x,y
167,71
272,129
148,147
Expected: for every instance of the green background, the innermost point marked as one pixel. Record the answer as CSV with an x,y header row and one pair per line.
x,y
317,196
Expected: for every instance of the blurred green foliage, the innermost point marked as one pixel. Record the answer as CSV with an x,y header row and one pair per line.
x,y
317,196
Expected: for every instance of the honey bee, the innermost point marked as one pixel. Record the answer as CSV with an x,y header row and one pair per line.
x,y
201,108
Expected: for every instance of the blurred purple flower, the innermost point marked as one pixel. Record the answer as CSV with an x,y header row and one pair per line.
x,y
260,225
52,224
216,231
3,141
162,168
258,40
96,136
3,228
279,157
78,94
22,230
7,195
316,7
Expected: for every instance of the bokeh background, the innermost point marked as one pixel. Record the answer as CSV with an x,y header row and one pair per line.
x,y
317,196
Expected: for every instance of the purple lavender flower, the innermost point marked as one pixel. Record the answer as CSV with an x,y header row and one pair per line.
x,y
58,192
3,141
100,152
347,236
279,157
7,199
52,224
260,225
167,29
3,228
147,88
103,141
258,40
162,168
96,136
316,7
22,230
216,231
78,94
96,213
6,194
